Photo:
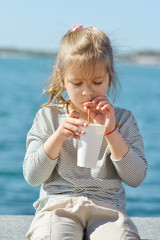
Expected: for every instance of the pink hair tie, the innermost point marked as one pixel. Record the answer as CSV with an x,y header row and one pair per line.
x,y
77,26
93,28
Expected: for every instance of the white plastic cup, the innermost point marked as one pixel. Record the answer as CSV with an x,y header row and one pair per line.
x,y
89,146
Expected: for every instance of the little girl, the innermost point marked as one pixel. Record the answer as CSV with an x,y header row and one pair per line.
x,y
81,203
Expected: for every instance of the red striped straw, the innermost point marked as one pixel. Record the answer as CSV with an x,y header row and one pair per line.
x,y
88,115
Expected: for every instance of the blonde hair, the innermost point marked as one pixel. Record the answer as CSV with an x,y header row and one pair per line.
x,y
78,49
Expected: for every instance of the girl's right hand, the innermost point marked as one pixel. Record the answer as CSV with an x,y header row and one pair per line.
x,y
70,127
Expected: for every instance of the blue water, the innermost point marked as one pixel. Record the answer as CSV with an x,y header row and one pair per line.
x,y
21,83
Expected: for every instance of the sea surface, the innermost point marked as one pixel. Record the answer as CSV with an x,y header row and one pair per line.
x,y
21,83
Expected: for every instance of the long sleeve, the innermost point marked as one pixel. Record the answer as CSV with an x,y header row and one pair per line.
x,y
132,168
37,166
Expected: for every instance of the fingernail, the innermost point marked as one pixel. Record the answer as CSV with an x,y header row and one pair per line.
x,y
85,124
83,132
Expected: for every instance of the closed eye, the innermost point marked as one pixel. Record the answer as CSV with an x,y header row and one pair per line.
x,y
98,83
77,84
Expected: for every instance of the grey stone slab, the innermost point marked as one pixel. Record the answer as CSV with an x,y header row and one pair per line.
x,y
14,227
149,228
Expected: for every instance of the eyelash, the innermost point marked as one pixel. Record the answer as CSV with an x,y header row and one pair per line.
x,y
77,84
96,83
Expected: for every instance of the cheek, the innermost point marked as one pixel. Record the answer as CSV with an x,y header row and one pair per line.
x,y
73,93
102,91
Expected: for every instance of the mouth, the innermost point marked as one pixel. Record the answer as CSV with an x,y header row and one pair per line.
x,y
87,101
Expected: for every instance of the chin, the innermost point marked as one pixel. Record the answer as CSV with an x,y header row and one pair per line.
x,y
80,109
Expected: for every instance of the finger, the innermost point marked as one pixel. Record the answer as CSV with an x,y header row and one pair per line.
x,y
74,129
75,121
92,111
103,104
69,133
107,107
99,98
74,113
90,104
95,102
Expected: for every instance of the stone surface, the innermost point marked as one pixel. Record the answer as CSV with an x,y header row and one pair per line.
x,y
14,227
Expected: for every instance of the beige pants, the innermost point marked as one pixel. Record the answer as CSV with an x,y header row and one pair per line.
x,y
81,218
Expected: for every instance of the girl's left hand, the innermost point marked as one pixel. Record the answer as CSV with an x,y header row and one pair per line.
x,y
101,112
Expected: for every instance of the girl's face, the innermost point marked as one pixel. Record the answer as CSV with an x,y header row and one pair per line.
x,y
83,88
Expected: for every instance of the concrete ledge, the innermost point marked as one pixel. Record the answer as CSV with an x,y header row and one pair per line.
x,y
13,227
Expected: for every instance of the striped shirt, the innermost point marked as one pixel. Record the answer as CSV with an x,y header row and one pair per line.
x,y
62,177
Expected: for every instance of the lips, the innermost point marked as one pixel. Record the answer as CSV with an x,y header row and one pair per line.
x,y
87,101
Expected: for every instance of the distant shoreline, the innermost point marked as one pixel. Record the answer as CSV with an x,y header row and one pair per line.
x,y
151,58
23,52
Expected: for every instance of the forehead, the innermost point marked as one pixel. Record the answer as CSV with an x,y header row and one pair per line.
x,y
87,71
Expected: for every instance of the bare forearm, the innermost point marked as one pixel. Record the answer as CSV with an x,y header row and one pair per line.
x,y
118,146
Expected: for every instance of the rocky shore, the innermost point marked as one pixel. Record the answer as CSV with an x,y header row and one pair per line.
x,y
22,52
151,58
141,57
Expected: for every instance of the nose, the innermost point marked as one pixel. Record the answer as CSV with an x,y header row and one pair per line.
x,y
87,90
